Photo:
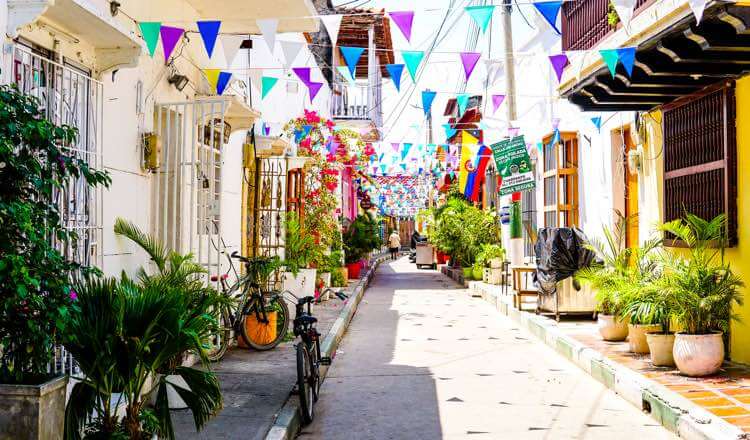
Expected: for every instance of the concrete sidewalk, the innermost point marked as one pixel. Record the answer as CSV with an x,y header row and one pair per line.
x,y
256,385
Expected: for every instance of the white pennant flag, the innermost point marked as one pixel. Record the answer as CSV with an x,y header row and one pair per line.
x,y
231,45
291,50
256,78
332,24
268,30
698,6
624,10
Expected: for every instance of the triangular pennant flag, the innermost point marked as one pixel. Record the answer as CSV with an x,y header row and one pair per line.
x,y
266,129
383,168
150,31
396,146
610,57
412,58
481,15
268,29
212,75
497,101
209,30
427,97
351,56
395,70
469,60
290,49
344,71
624,9
303,73
626,55
231,45
597,122
403,20
698,6
332,24
222,82
462,100
405,150
169,38
559,62
550,11
314,88
268,83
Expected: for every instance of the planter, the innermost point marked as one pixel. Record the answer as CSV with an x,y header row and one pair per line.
x,y
442,258
353,269
303,284
496,263
612,328
344,275
259,332
477,273
468,273
326,277
637,336
496,276
33,412
660,345
698,355
516,251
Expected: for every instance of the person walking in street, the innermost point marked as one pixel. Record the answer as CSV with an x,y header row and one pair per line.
x,y
394,244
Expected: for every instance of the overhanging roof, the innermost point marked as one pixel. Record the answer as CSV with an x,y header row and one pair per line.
x,y
681,59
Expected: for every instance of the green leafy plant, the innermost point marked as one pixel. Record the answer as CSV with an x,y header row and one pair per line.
x,y
488,253
125,337
642,303
703,286
612,18
300,248
362,236
37,166
461,229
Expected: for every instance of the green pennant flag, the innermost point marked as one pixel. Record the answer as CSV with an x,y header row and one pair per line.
x,y
412,59
150,31
481,15
610,57
267,83
463,101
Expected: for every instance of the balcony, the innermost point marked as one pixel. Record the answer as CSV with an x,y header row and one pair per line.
x,y
358,106
585,23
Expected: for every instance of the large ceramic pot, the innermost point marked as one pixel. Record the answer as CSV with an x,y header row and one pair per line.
x,y
698,355
612,328
33,412
660,345
326,277
637,336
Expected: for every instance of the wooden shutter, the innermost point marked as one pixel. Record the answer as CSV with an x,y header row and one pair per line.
x,y
700,157
561,180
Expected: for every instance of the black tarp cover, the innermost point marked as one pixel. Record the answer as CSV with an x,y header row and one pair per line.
x,y
560,252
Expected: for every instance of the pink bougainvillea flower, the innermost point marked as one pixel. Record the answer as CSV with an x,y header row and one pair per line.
x,y
73,295
305,143
330,124
331,158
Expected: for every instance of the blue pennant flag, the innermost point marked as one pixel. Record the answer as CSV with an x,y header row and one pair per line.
x,y
626,55
463,101
222,82
550,11
351,56
405,150
395,70
427,97
209,31
449,131
597,122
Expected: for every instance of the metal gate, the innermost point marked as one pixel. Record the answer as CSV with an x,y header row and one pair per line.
x,y
186,213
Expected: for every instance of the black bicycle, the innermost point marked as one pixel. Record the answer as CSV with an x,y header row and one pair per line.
x,y
266,311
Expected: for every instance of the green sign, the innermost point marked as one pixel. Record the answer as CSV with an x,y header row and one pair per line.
x,y
514,165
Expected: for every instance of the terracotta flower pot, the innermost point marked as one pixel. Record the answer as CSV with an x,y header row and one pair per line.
x,y
660,345
698,355
612,328
637,336
353,269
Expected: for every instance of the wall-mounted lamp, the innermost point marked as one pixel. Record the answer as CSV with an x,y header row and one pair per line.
x,y
178,81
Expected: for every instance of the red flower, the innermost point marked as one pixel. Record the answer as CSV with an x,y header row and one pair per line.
x,y
331,185
305,143
330,124
312,117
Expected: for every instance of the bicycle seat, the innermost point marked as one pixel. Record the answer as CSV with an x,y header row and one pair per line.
x,y
307,319
305,300
215,278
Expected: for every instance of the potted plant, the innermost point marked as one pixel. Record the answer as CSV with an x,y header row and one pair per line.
x,y
653,305
704,289
360,238
36,298
638,279
491,257
299,249
608,277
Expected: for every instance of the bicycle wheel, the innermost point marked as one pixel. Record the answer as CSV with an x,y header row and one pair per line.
x,y
219,342
306,399
265,336
315,363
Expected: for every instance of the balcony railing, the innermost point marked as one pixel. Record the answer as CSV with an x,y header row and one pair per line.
x,y
584,22
357,102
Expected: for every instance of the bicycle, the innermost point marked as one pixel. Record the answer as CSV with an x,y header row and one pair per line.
x,y
268,308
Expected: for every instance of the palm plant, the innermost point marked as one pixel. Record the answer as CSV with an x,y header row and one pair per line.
x,y
703,287
123,335
299,247
641,302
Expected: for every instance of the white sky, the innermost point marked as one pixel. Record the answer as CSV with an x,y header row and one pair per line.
x,y
443,72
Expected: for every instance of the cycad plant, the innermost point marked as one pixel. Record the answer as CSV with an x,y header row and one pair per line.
x,y
703,287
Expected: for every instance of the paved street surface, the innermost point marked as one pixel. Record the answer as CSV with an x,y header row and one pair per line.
x,y
423,360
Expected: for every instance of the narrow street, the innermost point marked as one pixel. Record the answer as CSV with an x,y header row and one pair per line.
x,y
423,360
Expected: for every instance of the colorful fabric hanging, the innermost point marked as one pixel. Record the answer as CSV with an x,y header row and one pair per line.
x,y
351,57
395,71
559,62
150,32
209,30
404,21
427,97
169,38
412,59
481,15
550,12
469,61
267,84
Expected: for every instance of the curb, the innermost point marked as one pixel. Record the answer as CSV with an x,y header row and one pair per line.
x,y
289,419
673,411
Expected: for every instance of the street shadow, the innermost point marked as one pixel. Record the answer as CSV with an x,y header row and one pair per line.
x,y
369,392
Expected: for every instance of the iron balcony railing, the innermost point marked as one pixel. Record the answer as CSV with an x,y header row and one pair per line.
x,y
585,22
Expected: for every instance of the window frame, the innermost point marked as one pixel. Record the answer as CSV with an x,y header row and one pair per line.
x,y
561,172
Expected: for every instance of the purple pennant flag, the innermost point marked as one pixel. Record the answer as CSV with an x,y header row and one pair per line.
x,y
395,146
469,60
303,73
314,88
559,62
403,20
497,101
266,129
169,38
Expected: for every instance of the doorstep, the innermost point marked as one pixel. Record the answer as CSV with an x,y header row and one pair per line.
x,y
716,407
